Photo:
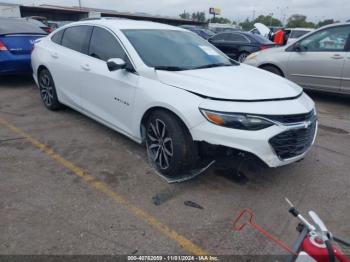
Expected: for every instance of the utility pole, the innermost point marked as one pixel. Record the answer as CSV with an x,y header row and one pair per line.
x,y
79,4
271,14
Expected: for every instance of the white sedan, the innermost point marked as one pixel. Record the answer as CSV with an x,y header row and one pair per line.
x,y
175,92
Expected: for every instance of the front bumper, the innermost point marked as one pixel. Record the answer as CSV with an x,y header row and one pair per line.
x,y
258,142
254,142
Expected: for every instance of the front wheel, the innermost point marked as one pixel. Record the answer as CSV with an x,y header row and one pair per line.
x,y
242,57
170,146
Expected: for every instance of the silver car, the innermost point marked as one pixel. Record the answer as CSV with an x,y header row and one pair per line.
x,y
319,60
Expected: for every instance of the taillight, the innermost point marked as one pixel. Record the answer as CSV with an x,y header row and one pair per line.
x,y
48,29
3,47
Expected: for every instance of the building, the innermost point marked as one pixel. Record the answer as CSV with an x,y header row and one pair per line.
x,y
63,13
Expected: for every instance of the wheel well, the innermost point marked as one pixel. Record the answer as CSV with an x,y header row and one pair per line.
x,y
147,114
41,68
279,69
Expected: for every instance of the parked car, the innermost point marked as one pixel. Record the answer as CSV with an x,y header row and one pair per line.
x,y
16,43
183,105
319,60
57,24
41,19
292,34
220,28
238,45
39,24
202,32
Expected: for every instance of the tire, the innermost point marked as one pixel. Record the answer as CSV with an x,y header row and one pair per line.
x,y
48,91
170,147
243,56
272,69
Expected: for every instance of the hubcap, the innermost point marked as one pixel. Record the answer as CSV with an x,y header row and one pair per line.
x,y
46,89
160,145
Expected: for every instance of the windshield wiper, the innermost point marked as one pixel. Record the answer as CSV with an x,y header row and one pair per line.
x,y
212,65
170,68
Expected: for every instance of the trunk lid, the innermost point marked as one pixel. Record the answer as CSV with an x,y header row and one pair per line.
x,y
19,44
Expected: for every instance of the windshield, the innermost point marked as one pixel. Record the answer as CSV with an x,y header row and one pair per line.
x,y
174,50
260,39
208,32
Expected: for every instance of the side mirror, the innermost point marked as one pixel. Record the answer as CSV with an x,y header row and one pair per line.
x,y
114,64
297,47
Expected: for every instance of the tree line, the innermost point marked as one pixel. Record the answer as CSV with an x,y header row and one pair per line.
x,y
296,20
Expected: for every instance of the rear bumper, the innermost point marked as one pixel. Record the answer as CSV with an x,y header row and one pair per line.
x,y
14,64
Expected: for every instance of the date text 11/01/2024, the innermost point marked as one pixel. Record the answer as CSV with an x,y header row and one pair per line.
x,y
172,258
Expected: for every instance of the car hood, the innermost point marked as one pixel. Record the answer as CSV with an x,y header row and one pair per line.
x,y
241,82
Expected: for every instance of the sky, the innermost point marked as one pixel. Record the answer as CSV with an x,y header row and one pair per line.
x,y
236,10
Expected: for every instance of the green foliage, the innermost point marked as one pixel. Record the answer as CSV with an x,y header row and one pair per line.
x,y
298,20
266,20
199,16
326,22
247,24
220,20
185,15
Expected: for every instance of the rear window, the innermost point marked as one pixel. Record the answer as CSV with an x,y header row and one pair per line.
x,y
57,38
77,38
260,39
18,26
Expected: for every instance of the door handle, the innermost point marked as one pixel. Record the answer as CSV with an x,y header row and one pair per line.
x,y
54,55
86,67
336,56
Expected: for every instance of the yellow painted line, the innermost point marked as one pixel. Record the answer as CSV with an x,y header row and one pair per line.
x,y
102,187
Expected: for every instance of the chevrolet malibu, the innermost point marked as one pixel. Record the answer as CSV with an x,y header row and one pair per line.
x,y
173,91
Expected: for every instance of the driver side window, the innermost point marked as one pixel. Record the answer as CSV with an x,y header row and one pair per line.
x,y
221,37
103,45
328,40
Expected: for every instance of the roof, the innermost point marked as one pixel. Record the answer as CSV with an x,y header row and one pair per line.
x,y
18,26
120,24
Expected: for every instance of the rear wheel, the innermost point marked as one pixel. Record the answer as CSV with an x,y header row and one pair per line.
x,y
272,69
48,91
169,144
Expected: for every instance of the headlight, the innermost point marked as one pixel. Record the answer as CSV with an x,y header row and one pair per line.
x,y
236,120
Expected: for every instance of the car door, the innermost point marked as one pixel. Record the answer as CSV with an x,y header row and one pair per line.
x,y
317,61
67,52
222,41
345,85
240,44
108,96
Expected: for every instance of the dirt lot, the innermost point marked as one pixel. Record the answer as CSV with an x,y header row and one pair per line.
x,y
72,186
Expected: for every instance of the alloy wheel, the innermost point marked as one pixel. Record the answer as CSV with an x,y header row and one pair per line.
x,y
242,57
46,89
160,145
